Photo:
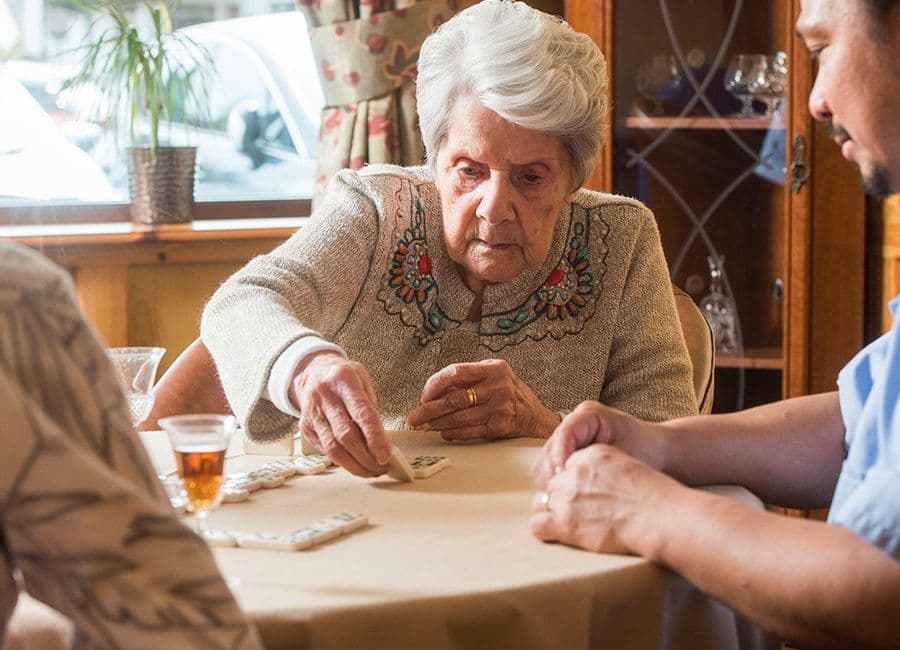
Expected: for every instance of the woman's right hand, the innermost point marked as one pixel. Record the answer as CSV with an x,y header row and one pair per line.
x,y
339,412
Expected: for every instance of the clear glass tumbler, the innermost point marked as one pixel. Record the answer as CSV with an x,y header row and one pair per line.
x,y
137,368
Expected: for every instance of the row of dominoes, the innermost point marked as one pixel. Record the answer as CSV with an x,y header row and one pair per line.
x,y
316,533
237,487
273,474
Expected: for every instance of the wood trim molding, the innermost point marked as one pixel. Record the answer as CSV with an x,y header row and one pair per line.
x,y
52,213
595,18
797,225
120,234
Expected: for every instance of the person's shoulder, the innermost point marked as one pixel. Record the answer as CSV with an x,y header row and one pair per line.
x,y
357,196
379,185
24,271
614,209
385,175
414,173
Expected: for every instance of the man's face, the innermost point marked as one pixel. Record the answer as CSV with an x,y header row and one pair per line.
x,y
857,89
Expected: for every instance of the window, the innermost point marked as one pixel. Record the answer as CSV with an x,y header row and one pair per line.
x,y
257,143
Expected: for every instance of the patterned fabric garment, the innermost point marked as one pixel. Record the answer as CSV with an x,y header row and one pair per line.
x,y
371,274
84,518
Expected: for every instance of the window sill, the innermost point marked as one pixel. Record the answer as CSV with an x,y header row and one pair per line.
x,y
127,232
119,213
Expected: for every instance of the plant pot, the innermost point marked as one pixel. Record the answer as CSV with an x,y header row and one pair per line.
x,y
161,185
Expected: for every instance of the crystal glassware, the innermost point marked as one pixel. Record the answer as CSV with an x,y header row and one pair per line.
x,y
768,81
199,443
136,368
719,309
658,74
737,81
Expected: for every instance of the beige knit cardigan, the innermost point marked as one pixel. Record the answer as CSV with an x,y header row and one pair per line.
x,y
370,273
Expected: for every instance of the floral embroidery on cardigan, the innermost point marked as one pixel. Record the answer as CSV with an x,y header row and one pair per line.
x,y
560,306
408,287
568,294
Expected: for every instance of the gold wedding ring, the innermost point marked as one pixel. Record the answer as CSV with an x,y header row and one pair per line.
x,y
473,398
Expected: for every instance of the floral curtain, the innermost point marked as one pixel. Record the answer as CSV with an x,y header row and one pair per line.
x,y
366,52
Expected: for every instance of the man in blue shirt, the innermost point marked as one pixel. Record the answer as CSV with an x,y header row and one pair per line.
x,y
609,481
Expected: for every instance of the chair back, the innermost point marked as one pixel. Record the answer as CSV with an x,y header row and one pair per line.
x,y
701,348
190,385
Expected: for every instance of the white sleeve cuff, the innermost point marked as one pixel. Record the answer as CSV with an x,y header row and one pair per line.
x,y
285,365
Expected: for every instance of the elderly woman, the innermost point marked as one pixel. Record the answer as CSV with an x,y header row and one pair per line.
x,y
481,295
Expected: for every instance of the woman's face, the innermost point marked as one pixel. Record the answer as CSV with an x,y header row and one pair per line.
x,y
502,188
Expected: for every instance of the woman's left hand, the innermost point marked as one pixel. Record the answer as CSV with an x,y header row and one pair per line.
x,y
467,401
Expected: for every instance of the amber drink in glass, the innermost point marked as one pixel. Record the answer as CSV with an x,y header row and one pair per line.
x,y
199,443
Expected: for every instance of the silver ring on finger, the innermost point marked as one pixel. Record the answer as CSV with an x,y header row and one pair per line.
x,y
545,501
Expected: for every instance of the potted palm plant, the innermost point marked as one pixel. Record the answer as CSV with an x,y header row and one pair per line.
x,y
149,78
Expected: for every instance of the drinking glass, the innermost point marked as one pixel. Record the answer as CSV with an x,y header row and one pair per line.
x,y
658,74
768,81
136,368
199,443
737,81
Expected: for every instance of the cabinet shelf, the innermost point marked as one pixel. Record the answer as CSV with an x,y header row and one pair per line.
x,y
707,123
753,358
693,164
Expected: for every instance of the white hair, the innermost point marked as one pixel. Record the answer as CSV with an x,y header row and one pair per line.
x,y
530,68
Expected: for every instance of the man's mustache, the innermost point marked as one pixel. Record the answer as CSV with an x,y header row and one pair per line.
x,y
840,132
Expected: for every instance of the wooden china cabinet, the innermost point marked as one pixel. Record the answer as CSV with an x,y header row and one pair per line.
x,y
769,195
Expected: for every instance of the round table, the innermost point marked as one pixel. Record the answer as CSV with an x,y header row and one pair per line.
x,y
450,562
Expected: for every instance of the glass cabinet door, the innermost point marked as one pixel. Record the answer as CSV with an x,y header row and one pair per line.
x,y
699,95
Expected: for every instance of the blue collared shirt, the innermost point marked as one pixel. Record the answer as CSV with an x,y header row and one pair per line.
x,y
867,497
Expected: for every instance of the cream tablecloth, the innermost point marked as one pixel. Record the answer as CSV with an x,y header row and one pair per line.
x,y
449,562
